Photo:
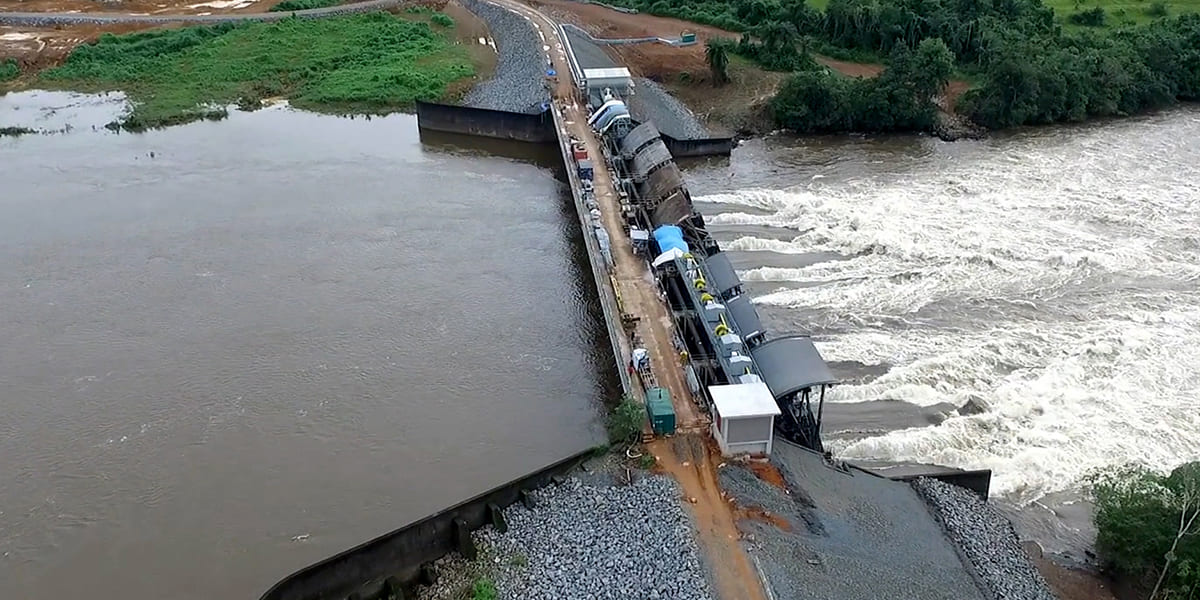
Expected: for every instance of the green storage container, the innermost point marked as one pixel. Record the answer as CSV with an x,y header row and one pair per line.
x,y
660,410
687,38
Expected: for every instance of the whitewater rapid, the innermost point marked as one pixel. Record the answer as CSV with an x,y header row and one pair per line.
x,y
1052,277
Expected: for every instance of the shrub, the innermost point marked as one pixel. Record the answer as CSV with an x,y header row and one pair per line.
x,y
9,70
1148,525
1157,9
483,589
293,5
625,422
1088,18
442,19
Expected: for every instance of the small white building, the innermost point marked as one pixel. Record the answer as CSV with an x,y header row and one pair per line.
x,y
617,79
743,417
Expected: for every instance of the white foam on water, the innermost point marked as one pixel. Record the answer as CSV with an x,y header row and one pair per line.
x,y
1056,281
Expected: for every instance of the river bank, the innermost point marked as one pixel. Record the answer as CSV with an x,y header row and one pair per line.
x,y
360,63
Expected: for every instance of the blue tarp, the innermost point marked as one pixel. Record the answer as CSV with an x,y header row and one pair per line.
x,y
668,237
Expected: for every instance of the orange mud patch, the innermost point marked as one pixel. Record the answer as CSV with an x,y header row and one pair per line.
x,y
755,513
691,461
768,473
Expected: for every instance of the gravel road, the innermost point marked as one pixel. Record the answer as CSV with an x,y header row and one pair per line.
x,y
987,540
519,83
590,541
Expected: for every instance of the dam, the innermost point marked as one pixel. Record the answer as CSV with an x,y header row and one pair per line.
x,y
686,340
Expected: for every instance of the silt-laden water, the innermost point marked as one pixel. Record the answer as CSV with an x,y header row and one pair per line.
x,y
232,349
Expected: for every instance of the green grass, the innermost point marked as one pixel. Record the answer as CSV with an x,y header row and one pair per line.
x,y
362,63
291,5
9,70
483,589
1119,12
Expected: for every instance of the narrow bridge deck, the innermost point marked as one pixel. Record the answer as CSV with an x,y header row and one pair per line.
x,y
689,456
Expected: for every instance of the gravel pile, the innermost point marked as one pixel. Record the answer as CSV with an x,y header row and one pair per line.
x,y
987,540
650,102
587,54
519,83
583,541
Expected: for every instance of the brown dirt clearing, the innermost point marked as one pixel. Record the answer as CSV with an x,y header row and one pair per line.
x,y
1071,584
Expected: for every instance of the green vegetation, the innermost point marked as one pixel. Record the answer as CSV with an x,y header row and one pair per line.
x,y
1031,65
442,19
293,5
9,70
625,422
647,461
1124,12
1148,527
483,589
371,62
899,99
716,52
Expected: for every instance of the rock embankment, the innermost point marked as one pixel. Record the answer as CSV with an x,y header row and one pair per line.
x,y
585,540
987,540
519,83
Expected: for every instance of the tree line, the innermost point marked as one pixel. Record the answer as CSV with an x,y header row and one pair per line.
x,y
1027,68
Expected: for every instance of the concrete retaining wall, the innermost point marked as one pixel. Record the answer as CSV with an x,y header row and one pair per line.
x,y
702,147
499,124
979,481
393,561
600,273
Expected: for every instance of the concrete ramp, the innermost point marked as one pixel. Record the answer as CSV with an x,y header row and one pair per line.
x,y
845,534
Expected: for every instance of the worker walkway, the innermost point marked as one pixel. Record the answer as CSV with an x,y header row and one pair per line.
x,y
689,456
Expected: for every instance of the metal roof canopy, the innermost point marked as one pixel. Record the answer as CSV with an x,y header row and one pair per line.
x,y
724,276
742,400
607,73
745,316
790,364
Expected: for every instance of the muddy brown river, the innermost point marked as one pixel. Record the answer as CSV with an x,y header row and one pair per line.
x,y
229,350
232,349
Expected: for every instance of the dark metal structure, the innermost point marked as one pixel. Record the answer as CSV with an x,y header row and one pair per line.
x,y
723,336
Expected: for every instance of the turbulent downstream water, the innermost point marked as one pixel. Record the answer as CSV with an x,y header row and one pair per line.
x,y
233,349
1051,275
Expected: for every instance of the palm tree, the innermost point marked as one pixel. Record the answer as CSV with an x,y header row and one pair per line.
x,y
717,54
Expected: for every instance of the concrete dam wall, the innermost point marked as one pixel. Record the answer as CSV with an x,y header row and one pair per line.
x,y
391,563
537,128
498,124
